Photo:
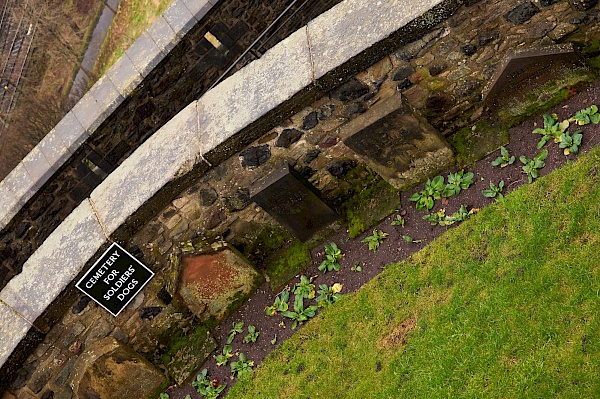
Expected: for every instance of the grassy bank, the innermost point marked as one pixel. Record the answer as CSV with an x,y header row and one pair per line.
x,y
505,305
132,19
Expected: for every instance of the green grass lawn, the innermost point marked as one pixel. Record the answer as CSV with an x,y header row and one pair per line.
x,y
505,305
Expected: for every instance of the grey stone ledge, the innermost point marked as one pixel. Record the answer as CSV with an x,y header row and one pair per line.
x,y
106,94
254,90
55,263
54,150
124,75
144,54
19,183
199,8
179,17
12,330
71,132
89,113
163,35
37,166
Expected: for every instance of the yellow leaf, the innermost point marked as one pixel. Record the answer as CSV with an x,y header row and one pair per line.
x,y
336,288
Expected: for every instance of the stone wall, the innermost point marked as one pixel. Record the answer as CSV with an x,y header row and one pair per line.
x,y
440,76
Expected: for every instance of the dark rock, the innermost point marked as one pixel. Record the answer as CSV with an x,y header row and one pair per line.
x,y
238,201
136,252
164,296
21,229
120,336
468,49
486,37
325,111
582,5
39,380
437,68
521,13
214,219
350,90
208,196
341,168
23,375
311,156
289,136
404,84
546,3
403,73
253,157
355,108
377,84
81,304
439,102
467,87
310,121
306,172
575,21
3,273
328,141
63,376
150,312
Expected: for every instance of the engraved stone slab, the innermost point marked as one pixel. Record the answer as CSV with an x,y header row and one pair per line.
x,y
400,146
293,202
525,69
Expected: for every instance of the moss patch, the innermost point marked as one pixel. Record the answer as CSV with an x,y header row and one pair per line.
x,y
187,352
286,264
475,142
268,240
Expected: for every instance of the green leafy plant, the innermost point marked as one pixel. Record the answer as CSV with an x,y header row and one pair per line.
x,y
410,240
442,219
164,396
504,159
532,166
280,304
494,191
587,115
242,367
206,388
305,288
328,295
456,182
432,191
188,397
252,335
356,267
570,142
399,221
300,314
223,358
551,130
334,254
375,240
237,329
436,218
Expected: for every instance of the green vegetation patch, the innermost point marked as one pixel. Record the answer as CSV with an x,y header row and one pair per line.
x,y
503,306
287,263
472,143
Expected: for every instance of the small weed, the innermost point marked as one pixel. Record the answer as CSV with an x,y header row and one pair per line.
x,y
440,217
237,329
436,218
551,130
587,115
432,191
305,288
356,267
399,221
300,314
206,388
456,182
164,395
242,367
532,166
274,340
410,240
280,304
570,143
223,358
494,191
252,335
328,295
375,240
504,159
334,254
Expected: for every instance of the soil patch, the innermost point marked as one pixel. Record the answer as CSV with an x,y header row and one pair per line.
x,y
398,336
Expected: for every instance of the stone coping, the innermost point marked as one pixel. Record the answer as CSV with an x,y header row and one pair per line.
x,y
204,128
97,104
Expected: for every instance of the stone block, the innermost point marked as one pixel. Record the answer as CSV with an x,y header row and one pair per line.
x,y
38,167
54,150
254,90
89,113
187,354
20,183
12,331
71,132
163,35
293,202
9,205
111,370
145,54
168,152
179,18
55,263
215,281
124,75
355,25
106,94
199,8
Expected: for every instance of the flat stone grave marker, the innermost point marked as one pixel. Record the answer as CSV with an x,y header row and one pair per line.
x,y
525,69
115,279
293,202
400,146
